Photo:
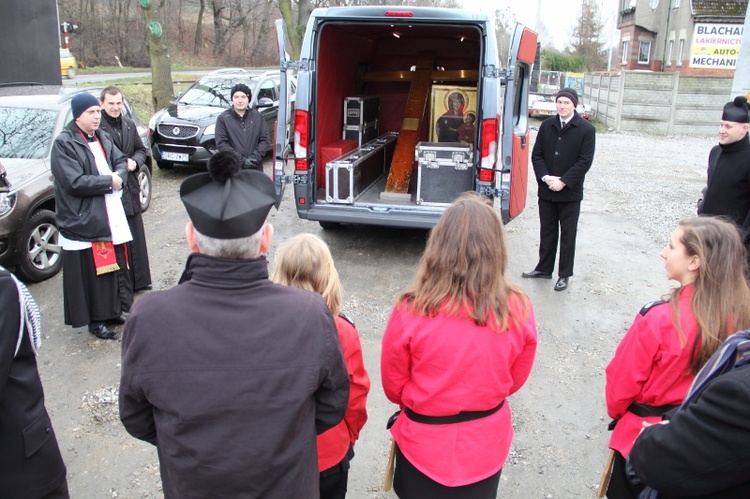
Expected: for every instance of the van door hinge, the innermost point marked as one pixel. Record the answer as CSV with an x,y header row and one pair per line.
x,y
303,65
504,74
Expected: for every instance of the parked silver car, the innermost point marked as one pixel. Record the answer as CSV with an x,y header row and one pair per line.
x,y
30,119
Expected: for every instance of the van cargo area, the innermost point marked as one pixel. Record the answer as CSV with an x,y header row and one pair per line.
x,y
369,74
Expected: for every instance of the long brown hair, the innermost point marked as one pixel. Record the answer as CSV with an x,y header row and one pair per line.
x,y
721,299
463,268
304,261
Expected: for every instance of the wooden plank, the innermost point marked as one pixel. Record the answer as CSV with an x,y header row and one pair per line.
x,y
452,75
403,157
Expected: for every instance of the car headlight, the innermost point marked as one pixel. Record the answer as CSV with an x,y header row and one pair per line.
x,y
154,118
7,202
210,130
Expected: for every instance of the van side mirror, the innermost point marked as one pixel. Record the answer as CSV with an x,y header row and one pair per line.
x,y
264,102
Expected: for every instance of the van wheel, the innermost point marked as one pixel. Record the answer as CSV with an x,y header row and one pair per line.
x,y
42,254
165,165
329,225
144,183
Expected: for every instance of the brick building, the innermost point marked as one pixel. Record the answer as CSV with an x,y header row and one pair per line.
x,y
692,37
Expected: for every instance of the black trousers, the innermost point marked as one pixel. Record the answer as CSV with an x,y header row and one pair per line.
x,y
619,485
410,483
557,221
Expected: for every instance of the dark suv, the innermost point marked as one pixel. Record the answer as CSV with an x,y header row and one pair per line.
x,y
183,133
30,119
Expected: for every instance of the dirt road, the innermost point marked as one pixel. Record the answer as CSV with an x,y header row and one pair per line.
x,y
636,192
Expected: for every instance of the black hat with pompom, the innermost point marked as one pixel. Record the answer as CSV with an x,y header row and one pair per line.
x,y
736,110
228,202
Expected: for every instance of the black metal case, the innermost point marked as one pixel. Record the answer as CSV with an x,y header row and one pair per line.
x,y
445,170
361,118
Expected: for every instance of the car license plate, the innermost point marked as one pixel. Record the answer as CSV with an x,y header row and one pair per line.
x,y
175,156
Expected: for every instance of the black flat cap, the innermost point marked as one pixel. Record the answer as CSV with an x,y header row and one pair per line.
x,y
227,202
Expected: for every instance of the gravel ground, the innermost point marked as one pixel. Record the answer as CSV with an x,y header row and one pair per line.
x,y
638,189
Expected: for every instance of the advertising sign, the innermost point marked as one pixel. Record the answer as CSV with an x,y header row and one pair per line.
x,y
716,46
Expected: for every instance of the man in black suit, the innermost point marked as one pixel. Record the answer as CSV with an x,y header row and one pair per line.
x,y
562,154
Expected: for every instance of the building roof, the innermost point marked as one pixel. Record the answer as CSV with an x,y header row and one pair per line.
x,y
718,10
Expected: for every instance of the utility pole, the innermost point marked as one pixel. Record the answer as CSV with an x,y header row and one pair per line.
x,y
741,82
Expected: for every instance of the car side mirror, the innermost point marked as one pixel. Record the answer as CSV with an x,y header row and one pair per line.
x,y
264,102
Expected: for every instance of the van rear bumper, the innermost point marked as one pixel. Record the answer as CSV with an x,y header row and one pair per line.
x,y
388,216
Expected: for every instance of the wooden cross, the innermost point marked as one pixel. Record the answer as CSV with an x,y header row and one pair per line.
x,y
421,82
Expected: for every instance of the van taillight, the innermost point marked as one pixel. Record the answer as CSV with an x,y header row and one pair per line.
x,y
301,139
488,150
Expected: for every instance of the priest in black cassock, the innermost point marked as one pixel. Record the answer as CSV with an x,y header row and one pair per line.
x,y
727,192
125,136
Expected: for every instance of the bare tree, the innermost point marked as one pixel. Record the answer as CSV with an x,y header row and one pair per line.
x,y
162,89
199,29
587,35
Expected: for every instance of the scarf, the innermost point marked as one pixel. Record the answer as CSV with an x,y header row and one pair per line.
x,y
31,319
734,352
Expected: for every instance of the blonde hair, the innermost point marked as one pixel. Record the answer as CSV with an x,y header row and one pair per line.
x,y
304,261
462,270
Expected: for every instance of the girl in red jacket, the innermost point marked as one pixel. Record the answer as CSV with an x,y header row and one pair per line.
x,y
670,340
305,261
460,340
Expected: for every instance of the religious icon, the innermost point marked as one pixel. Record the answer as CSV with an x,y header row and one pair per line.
x,y
453,115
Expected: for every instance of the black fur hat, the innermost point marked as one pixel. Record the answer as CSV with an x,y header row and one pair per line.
x,y
736,110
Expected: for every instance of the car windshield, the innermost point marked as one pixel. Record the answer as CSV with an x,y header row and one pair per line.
x,y
211,92
25,133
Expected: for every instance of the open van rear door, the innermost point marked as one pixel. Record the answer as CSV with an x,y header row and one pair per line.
x,y
283,132
515,135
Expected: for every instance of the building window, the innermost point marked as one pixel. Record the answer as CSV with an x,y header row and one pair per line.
x,y
624,52
676,4
644,51
680,52
669,52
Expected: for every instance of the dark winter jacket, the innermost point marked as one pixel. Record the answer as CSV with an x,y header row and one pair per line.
x,y
231,376
567,154
247,136
30,462
79,189
124,134
704,451
728,186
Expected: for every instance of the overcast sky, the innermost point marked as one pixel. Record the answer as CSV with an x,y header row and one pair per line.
x,y
558,16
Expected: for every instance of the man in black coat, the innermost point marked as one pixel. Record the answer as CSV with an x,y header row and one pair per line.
x,y
90,173
230,375
125,136
727,191
243,130
704,450
31,466
562,155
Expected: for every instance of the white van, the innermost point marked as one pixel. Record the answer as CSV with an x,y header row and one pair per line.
x,y
399,110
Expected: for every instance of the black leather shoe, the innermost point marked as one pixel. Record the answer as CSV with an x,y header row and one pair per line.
x,y
102,332
561,284
535,274
117,320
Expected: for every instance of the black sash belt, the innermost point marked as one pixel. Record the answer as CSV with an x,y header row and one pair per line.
x,y
454,418
645,411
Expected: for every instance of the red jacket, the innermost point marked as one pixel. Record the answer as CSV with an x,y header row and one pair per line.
x,y
650,367
334,443
440,366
